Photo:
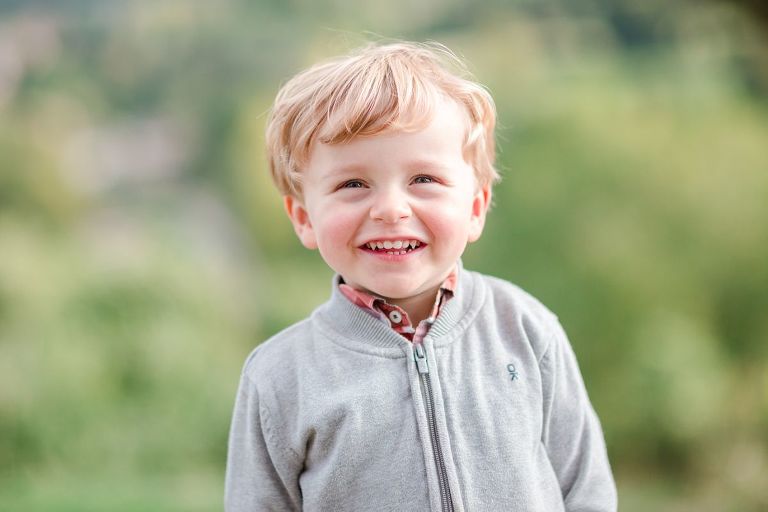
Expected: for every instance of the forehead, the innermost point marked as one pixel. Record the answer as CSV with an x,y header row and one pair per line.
x,y
439,138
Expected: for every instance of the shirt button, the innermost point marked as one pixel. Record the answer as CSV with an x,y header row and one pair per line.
x,y
395,316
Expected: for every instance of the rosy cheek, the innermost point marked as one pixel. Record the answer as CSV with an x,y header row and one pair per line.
x,y
338,226
441,225
448,221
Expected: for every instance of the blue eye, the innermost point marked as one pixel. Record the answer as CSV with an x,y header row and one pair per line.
x,y
352,184
423,179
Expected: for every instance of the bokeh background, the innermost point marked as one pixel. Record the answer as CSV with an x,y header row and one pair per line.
x,y
143,250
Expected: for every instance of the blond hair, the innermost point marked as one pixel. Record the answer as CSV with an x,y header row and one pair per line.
x,y
376,89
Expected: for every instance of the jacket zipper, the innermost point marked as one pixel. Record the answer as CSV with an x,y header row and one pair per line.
x,y
422,365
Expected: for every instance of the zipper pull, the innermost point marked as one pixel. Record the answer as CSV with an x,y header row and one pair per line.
x,y
421,358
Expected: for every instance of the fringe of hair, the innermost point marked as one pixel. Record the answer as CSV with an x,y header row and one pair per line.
x,y
376,89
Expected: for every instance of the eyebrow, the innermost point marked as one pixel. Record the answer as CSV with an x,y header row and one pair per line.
x,y
356,168
426,165
344,170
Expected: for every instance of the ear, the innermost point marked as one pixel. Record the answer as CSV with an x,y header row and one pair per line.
x,y
300,220
480,204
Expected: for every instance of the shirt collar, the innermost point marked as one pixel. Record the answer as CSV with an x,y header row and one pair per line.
x,y
373,303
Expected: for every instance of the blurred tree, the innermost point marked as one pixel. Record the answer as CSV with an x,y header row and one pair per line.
x,y
144,252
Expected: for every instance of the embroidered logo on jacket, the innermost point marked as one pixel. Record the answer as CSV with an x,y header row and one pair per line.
x,y
512,371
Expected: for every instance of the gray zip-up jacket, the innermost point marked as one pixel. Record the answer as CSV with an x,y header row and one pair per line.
x,y
339,412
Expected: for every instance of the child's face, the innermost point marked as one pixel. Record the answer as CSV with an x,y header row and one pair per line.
x,y
394,188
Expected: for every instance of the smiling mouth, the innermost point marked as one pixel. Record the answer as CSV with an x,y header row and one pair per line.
x,y
393,246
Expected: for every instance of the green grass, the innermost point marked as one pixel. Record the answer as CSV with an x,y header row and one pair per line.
x,y
193,492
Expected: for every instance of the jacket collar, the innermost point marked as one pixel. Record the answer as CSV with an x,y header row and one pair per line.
x,y
353,327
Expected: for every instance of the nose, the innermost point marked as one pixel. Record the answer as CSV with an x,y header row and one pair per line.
x,y
390,206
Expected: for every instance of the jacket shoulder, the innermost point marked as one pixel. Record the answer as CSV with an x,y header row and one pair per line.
x,y
277,354
512,307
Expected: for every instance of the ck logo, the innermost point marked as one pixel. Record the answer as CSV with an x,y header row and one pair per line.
x,y
512,371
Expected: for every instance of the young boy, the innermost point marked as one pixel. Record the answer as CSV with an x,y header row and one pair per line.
x,y
419,385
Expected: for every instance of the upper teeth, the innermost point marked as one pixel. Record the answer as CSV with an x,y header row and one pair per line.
x,y
396,244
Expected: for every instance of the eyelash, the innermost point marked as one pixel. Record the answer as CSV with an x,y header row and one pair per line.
x,y
417,179
352,184
421,179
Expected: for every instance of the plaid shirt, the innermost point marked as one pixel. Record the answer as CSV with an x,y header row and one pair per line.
x,y
395,316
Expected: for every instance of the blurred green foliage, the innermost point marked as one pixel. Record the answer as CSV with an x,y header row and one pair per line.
x,y
144,252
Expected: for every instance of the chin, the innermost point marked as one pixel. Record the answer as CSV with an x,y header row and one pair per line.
x,y
396,292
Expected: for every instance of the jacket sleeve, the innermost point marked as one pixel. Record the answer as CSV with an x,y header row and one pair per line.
x,y
571,432
262,472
